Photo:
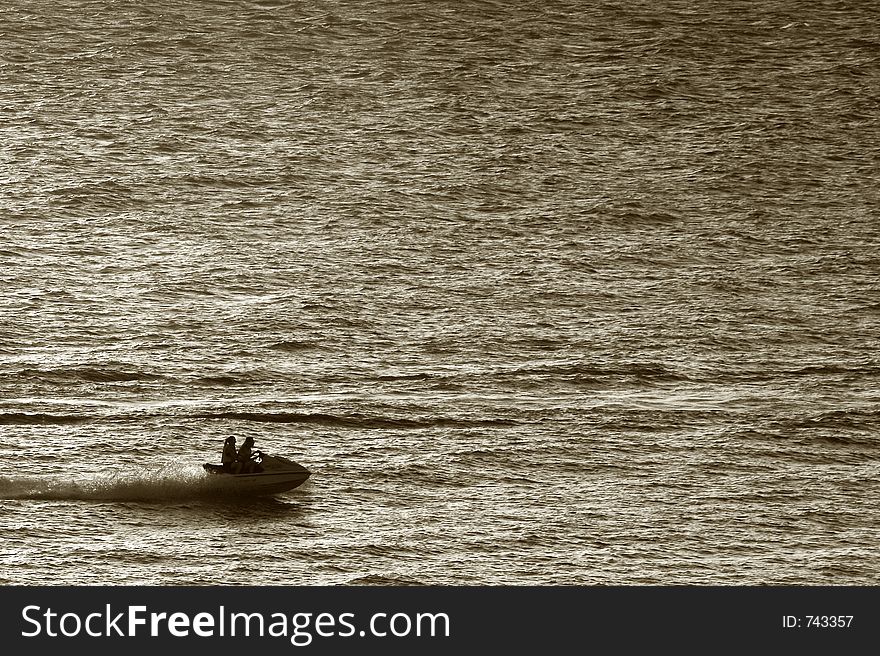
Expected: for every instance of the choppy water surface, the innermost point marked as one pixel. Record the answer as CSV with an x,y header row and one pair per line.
x,y
542,293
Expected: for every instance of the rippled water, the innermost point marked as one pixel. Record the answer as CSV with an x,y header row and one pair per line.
x,y
541,293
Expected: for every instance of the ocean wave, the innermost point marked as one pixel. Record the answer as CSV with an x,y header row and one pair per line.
x,y
395,377
28,418
355,420
90,374
841,419
589,372
222,381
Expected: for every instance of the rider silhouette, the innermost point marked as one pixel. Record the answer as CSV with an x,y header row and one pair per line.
x,y
229,453
244,464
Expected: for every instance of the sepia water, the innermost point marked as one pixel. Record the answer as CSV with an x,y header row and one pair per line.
x,y
565,292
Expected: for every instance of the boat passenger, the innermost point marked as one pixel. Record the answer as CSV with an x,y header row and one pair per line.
x,y
244,463
229,453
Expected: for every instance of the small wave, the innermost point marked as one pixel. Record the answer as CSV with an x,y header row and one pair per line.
x,y
292,346
97,375
28,418
379,579
274,417
845,369
354,421
394,377
652,372
89,374
841,419
222,381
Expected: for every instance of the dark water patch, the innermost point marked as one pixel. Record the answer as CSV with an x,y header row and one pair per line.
x,y
17,252
113,375
220,381
39,418
280,418
447,386
396,377
292,346
88,374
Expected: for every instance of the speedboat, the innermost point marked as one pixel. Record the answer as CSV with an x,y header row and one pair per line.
x,y
262,474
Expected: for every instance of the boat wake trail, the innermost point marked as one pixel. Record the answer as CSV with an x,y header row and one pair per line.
x,y
172,483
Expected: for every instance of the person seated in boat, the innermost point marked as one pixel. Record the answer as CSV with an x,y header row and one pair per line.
x,y
243,463
229,454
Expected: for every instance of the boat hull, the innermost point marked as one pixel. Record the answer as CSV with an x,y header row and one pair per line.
x,y
277,475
